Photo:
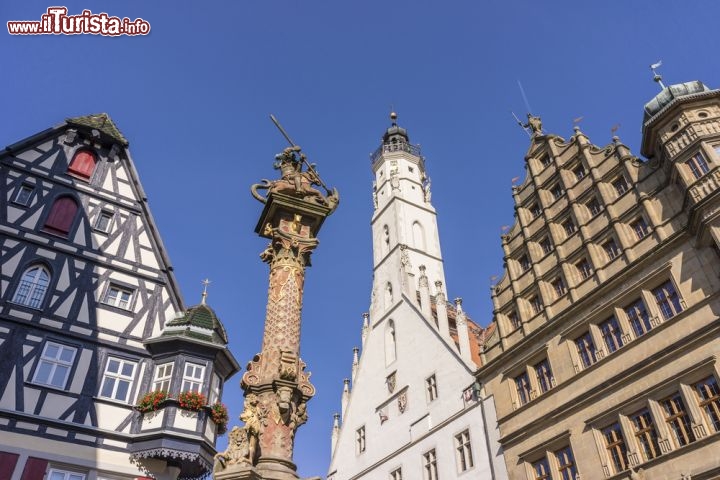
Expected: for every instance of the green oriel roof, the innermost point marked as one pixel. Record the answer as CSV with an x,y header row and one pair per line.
x,y
201,316
102,122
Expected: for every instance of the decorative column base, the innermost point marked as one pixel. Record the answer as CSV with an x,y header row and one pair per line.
x,y
275,468
238,472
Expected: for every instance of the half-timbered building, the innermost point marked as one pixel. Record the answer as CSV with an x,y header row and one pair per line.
x,y
91,321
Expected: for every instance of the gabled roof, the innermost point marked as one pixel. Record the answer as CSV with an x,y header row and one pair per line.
x,y
101,122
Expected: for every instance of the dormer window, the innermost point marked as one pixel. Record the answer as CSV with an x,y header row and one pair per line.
x,y
83,164
698,165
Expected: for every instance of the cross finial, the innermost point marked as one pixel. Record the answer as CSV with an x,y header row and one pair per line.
x,y
205,283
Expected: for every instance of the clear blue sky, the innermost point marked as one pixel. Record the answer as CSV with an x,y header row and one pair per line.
x,y
193,98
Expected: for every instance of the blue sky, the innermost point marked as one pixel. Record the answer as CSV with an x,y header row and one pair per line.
x,y
194,96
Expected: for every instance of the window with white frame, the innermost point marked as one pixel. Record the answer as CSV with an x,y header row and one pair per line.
x,y
118,296
463,451
103,221
214,388
22,197
193,377
32,287
611,249
118,379
163,377
360,440
430,471
55,474
698,165
55,364
431,388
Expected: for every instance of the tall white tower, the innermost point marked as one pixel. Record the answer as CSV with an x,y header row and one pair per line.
x,y
404,224
412,409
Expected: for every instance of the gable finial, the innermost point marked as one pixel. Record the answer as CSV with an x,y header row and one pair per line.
x,y
205,283
656,76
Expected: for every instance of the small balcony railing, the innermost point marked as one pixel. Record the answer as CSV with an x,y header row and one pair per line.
x,y
395,147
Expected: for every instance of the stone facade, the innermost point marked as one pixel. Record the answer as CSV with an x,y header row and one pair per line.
x,y
604,360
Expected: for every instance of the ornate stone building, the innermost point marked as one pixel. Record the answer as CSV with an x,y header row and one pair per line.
x,y
91,319
410,409
603,363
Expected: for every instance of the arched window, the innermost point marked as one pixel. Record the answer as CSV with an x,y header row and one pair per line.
x,y
32,287
418,235
62,214
390,343
83,164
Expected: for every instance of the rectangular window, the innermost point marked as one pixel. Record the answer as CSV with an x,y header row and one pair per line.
x,y
118,297
569,227
579,172
611,249
559,286
645,434
709,400
611,333
566,464
541,469
214,389
55,364
535,210
536,304
584,268
616,448
163,375
118,379
586,349
697,165
640,228
396,474
667,300
544,376
524,263
522,386
360,440
593,207
22,197
514,319
193,377
620,185
103,221
463,451
431,388
55,474
639,318
546,245
545,160
678,419
430,471
557,191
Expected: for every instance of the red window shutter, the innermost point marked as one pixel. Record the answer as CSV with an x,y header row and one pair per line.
x,y
62,215
7,464
83,164
34,469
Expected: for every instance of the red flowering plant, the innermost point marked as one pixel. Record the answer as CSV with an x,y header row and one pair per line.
x,y
193,401
152,401
219,415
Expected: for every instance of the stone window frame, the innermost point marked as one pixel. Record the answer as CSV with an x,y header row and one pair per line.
x,y
360,440
430,469
431,390
545,455
464,459
528,371
611,248
620,185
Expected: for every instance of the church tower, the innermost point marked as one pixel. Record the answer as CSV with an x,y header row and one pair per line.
x,y
411,408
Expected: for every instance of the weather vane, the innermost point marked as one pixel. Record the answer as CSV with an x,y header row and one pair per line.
x,y
205,283
656,76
